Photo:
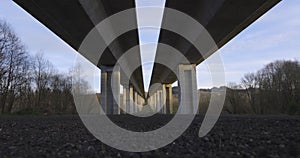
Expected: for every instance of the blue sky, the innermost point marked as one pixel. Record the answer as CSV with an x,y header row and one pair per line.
x,y
275,36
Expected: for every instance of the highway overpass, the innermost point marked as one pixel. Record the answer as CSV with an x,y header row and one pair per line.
x,y
72,20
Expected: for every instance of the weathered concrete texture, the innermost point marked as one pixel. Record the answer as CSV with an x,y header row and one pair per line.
x,y
140,102
188,100
161,100
128,98
151,102
110,90
167,90
124,96
157,101
135,105
131,98
162,97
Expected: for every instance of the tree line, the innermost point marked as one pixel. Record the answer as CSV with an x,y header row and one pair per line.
x,y
30,84
274,89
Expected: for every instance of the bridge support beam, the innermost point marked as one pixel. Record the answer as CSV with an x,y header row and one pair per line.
x,y
157,101
151,102
188,85
127,98
110,103
161,102
154,102
130,100
167,91
135,104
140,102
124,100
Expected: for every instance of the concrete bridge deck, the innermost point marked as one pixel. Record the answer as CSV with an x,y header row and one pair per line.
x,y
223,20
72,20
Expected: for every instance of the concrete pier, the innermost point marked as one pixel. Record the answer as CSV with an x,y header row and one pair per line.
x,y
130,100
124,103
157,101
167,91
151,102
161,102
140,102
110,89
135,104
188,85
127,98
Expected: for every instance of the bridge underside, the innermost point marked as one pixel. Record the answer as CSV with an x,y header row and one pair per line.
x,y
72,20
223,19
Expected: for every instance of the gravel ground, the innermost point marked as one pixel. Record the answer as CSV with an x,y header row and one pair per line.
x,y
233,136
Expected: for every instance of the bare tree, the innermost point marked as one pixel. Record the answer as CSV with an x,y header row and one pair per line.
x,y
249,82
29,83
275,88
13,66
42,72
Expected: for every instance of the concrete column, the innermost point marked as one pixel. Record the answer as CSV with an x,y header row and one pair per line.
x,y
151,102
125,91
135,105
157,101
140,102
128,98
110,84
161,102
138,99
167,91
188,85
130,103
103,98
163,99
